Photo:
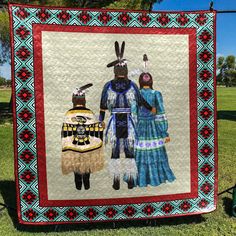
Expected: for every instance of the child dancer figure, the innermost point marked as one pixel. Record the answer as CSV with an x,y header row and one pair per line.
x,y
82,146
150,152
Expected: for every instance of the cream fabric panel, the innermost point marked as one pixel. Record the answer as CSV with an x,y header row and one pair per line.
x,y
73,59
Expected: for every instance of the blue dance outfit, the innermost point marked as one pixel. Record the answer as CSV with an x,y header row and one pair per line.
x,y
118,95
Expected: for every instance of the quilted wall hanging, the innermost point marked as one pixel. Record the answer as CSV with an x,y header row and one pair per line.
x,y
114,114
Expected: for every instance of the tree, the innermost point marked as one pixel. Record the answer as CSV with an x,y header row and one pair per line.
x,y
2,81
221,66
230,62
4,37
133,4
230,78
87,3
8,83
121,4
109,4
227,72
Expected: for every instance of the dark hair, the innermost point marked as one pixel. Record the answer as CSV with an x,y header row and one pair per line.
x,y
143,82
78,101
121,70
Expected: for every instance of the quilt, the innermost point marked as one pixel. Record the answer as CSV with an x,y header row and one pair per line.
x,y
114,114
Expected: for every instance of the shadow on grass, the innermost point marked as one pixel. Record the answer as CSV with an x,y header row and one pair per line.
x,y
228,204
5,113
5,107
7,190
226,115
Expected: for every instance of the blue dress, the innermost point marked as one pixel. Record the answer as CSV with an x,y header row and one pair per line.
x,y
150,152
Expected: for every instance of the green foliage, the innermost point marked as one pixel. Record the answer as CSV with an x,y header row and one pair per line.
x,y
230,78
112,4
147,4
230,62
87,3
118,4
4,37
220,62
124,4
8,83
2,81
133,4
227,71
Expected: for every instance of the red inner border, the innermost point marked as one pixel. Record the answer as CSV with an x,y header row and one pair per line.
x,y
40,128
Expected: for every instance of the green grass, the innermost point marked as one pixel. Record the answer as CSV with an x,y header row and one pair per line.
x,y
226,98
219,222
5,95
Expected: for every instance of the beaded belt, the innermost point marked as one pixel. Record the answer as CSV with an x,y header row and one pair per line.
x,y
121,110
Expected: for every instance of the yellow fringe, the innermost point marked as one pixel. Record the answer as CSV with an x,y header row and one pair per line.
x,y
88,162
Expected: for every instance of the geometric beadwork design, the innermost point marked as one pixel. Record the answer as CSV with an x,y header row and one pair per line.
x,y
22,20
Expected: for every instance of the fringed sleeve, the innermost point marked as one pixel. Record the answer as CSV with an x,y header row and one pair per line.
x,y
103,102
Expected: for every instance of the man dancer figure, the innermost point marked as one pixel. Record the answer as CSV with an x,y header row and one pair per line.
x,y
118,96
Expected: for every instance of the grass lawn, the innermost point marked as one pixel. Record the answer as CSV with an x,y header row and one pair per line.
x,y
5,95
219,222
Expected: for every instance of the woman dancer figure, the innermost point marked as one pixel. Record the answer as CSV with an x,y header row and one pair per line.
x,y
150,152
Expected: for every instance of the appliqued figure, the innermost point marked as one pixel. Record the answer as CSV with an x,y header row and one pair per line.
x,y
82,145
118,96
150,152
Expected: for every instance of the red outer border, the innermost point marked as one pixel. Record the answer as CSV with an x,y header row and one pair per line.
x,y
39,107
14,116
215,121
15,131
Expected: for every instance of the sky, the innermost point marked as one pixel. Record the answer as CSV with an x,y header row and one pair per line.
x,y
225,27
226,33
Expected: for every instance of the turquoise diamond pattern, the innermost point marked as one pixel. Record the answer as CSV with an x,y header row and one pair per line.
x,y
33,212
